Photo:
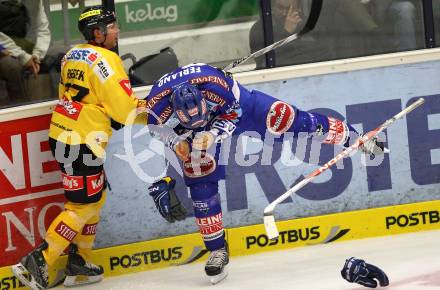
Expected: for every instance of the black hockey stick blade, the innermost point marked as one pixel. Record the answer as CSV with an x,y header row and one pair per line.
x,y
310,24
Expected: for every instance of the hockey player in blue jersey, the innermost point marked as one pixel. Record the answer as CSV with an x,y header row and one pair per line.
x,y
206,105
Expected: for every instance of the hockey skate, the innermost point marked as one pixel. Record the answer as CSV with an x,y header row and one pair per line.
x,y
33,270
215,266
80,272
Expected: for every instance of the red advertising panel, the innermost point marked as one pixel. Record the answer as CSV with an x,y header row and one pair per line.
x,y
31,192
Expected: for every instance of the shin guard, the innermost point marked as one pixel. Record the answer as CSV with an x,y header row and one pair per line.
x,y
208,214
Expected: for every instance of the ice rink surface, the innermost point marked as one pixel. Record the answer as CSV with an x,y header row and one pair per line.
x,y
411,261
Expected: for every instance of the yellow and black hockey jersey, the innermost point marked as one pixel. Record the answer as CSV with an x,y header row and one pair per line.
x,y
93,88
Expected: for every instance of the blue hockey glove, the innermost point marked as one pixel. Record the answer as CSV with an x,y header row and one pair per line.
x,y
166,200
357,271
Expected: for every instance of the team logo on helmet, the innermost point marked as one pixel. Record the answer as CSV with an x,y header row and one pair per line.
x,y
90,13
193,112
182,116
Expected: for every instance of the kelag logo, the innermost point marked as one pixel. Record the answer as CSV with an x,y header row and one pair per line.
x,y
413,219
145,258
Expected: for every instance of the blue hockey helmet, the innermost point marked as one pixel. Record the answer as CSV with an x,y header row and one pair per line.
x,y
190,106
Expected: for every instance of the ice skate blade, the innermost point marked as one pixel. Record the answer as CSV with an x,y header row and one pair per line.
x,y
218,278
19,270
73,281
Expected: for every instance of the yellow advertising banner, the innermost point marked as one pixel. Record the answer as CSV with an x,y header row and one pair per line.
x,y
337,227
184,249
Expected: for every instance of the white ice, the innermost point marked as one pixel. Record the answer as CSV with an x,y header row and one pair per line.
x,y
411,261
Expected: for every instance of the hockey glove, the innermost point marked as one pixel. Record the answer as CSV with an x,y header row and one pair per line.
x,y
166,200
357,271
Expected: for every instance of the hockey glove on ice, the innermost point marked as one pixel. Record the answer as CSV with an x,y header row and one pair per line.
x,y
166,200
357,271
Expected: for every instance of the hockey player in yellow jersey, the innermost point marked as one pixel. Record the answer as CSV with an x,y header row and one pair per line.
x,y
93,89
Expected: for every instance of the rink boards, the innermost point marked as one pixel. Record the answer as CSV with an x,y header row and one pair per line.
x,y
247,240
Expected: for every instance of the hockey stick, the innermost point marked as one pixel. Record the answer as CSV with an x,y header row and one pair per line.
x,y
310,24
269,219
198,252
